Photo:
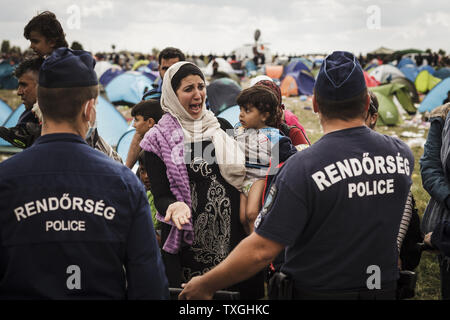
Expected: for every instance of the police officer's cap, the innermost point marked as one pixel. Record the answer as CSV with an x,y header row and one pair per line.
x,y
340,77
67,68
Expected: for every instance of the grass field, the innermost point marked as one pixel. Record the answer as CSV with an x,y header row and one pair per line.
x,y
428,272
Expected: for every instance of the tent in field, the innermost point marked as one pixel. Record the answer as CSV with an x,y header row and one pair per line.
x,y
11,121
410,86
231,115
370,66
387,111
224,66
425,81
14,116
304,82
405,61
7,79
370,80
410,72
274,72
289,86
222,94
430,69
197,61
400,91
385,73
110,74
101,67
123,145
295,66
140,63
306,62
436,96
128,88
304,79
442,73
5,111
250,66
381,51
110,122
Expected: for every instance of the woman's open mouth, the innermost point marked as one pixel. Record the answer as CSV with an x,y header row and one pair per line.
x,y
195,108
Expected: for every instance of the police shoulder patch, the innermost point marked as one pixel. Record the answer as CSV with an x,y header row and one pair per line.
x,y
267,205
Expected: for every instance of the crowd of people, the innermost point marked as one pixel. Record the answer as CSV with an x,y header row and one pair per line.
x,y
212,207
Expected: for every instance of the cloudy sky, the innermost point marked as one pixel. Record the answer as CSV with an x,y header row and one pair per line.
x,y
205,26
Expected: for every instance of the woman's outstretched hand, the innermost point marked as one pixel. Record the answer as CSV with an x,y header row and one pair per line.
x,y
179,212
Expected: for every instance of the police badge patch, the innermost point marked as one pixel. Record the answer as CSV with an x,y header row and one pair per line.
x,y
267,205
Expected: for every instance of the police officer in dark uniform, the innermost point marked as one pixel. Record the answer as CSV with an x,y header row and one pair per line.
x,y
335,207
74,224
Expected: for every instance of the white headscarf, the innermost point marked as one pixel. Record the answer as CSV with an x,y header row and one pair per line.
x,y
229,156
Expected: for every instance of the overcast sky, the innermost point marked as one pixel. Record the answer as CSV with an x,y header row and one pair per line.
x,y
205,26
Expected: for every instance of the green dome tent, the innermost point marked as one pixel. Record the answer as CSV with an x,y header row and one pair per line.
x,y
414,95
425,81
387,111
400,91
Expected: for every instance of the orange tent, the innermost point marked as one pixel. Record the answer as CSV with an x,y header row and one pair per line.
x,y
275,72
289,87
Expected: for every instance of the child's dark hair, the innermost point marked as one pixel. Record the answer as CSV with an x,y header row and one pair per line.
x,y
48,26
141,158
141,161
262,99
32,64
148,109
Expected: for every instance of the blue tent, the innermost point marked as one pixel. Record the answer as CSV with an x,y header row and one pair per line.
x,y
124,142
152,75
404,62
109,74
306,62
428,68
7,79
442,73
250,66
305,82
5,111
110,123
231,115
294,66
302,75
410,71
11,121
128,88
436,96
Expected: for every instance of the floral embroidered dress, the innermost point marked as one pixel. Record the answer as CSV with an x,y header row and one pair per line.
x,y
215,216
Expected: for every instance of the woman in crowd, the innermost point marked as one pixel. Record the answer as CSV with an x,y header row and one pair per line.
x,y
196,172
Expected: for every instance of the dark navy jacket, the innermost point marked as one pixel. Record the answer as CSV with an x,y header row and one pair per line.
x,y
27,116
336,207
75,224
433,178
